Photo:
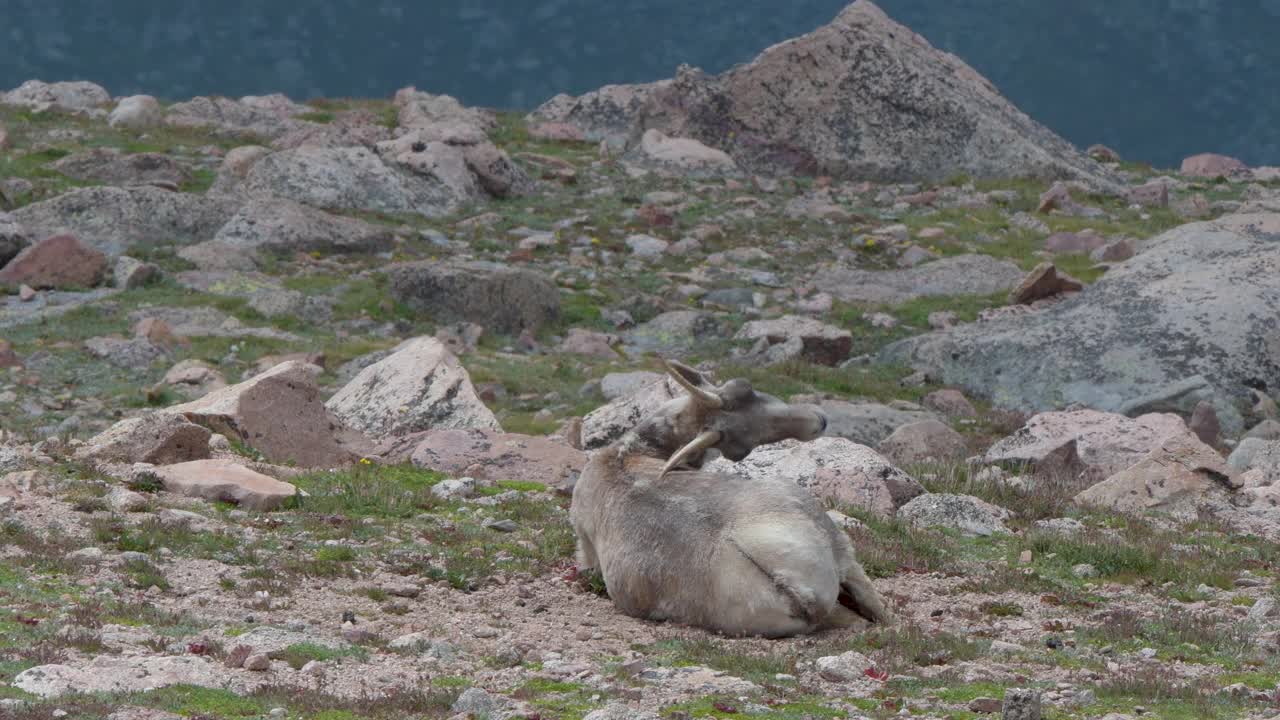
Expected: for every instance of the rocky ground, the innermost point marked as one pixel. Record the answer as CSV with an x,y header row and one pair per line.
x,y
293,396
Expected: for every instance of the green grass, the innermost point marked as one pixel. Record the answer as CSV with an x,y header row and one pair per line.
x,y
299,654
564,700
144,574
731,707
367,490
719,655
151,535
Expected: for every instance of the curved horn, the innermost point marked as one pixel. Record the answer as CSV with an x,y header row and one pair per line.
x,y
697,445
702,395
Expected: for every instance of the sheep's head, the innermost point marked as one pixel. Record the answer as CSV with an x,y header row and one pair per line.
x,y
733,418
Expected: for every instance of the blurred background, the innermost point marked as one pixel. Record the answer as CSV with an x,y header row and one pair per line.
x,y
1155,80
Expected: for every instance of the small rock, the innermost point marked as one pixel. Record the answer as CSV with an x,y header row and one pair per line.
x,y
1204,423
1042,282
123,500
1084,570
1259,611
845,667
951,403
985,705
257,663
475,702
645,246
454,488
1021,704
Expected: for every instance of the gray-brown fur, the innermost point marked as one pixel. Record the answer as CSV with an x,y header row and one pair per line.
x,y
712,550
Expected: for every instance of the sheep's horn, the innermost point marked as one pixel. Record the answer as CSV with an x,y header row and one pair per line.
x,y
697,445
702,395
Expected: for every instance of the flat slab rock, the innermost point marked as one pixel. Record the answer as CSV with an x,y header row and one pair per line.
x,y
110,674
225,481
957,275
1174,477
833,469
1106,443
491,454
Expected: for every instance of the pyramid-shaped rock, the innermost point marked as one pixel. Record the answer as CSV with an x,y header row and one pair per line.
x,y
862,97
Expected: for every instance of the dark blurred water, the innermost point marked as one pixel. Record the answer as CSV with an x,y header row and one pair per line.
x,y
1154,79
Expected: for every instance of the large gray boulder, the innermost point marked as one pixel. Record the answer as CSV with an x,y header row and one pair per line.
x,y
269,226
250,117
353,178
69,96
109,166
958,275
113,219
1191,317
421,386
13,238
834,469
865,423
860,97
502,299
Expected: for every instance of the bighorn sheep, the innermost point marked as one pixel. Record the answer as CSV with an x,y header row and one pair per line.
x,y
713,550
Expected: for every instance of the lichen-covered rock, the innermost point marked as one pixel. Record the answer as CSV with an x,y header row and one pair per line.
x,y
1190,318
71,96
610,422
159,438
421,386
236,118
673,333
276,226
1259,457
968,514
499,298
13,238
112,219
109,166
956,275
866,423
352,178
821,343
834,469
114,674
